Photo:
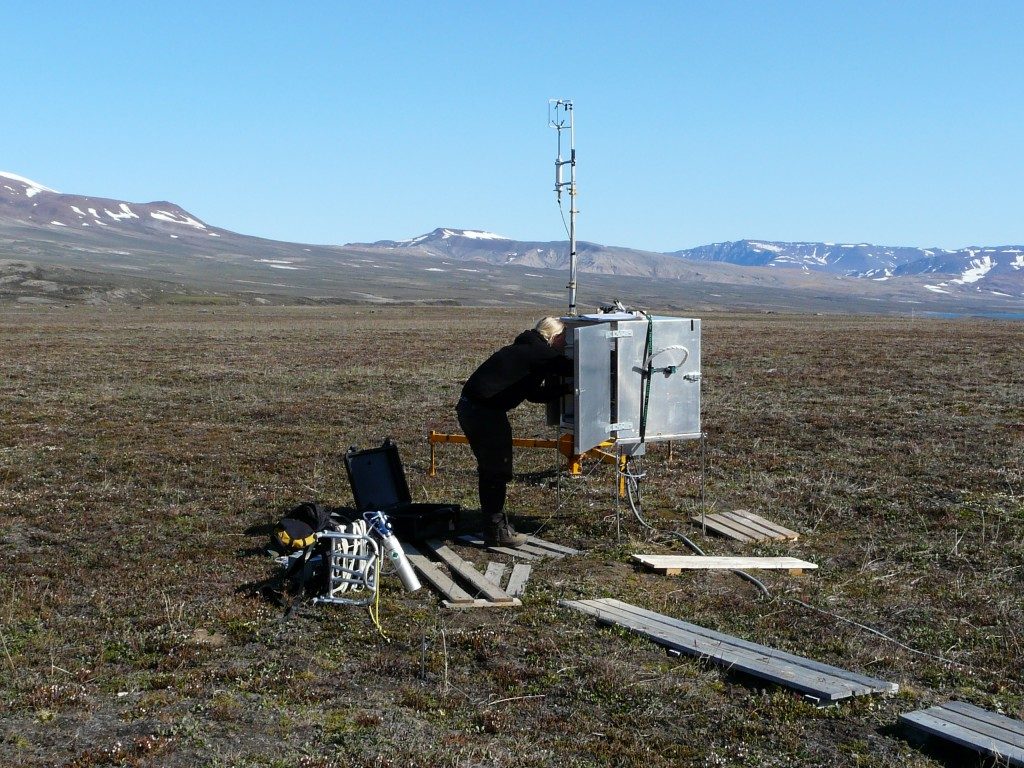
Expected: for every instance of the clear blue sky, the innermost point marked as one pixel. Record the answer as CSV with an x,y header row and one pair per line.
x,y
895,123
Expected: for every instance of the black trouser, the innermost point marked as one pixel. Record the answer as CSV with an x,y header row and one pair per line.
x,y
490,438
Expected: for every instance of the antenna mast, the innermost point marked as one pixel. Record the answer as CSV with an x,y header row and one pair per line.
x,y
560,117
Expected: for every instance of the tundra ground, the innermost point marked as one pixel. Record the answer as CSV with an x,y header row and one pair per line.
x,y
145,453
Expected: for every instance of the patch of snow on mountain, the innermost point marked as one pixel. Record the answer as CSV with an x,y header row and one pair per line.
x,y
173,219
32,188
978,269
274,266
1018,262
935,289
472,234
766,247
59,223
125,213
434,269
77,210
273,261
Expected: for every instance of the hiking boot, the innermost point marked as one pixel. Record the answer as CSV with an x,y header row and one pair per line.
x,y
503,535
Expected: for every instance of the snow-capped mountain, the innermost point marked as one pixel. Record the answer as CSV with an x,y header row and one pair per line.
x,y
25,202
979,268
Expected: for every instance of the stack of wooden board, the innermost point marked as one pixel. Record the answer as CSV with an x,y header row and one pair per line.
x,y
744,526
475,591
820,682
987,732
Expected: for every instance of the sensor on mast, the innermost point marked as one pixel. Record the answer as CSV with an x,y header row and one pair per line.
x,y
560,117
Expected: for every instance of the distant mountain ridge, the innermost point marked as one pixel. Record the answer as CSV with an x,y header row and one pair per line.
x,y
988,267
999,270
107,242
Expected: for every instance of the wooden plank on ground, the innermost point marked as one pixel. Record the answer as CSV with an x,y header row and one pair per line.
x,y
973,727
517,581
481,603
869,684
465,570
744,526
1001,726
476,541
819,681
721,526
552,546
494,572
455,594
817,686
780,530
674,564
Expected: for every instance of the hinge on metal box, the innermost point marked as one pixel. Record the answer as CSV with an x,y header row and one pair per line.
x,y
618,334
620,425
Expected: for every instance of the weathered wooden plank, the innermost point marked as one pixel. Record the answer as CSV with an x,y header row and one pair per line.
x,y
545,544
870,684
932,721
724,528
817,685
480,603
465,570
750,527
438,578
476,541
698,562
1009,730
756,528
517,580
771,525
533,549
820,680
494,573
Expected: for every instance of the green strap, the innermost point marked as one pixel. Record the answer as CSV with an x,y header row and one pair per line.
x,y
648,348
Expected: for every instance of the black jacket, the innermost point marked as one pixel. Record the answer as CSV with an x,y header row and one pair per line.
x,y
524,370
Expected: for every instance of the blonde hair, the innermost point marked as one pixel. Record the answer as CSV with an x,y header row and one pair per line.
x,y
549,327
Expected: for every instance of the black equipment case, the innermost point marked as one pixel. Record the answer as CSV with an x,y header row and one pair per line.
x,y
378,483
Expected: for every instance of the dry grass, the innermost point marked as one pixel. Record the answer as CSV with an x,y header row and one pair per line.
x,y
144,452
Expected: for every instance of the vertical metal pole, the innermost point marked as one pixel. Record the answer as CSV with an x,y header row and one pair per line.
x,y
572,213
556,107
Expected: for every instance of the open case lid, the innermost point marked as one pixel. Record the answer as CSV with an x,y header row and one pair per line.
x,y
377,477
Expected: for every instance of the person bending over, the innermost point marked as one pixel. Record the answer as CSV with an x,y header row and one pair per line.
x,y
527,369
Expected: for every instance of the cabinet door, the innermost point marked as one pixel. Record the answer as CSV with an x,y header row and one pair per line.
x,y
592,360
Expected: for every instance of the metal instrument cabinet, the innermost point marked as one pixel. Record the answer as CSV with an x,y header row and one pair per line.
x,y
613,357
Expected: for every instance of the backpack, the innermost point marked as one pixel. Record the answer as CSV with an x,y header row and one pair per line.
x,y
298,528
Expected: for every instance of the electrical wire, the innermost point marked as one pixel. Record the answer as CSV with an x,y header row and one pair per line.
x,y
633,497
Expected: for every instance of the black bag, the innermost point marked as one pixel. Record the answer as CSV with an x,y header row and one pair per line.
x,y
298,528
